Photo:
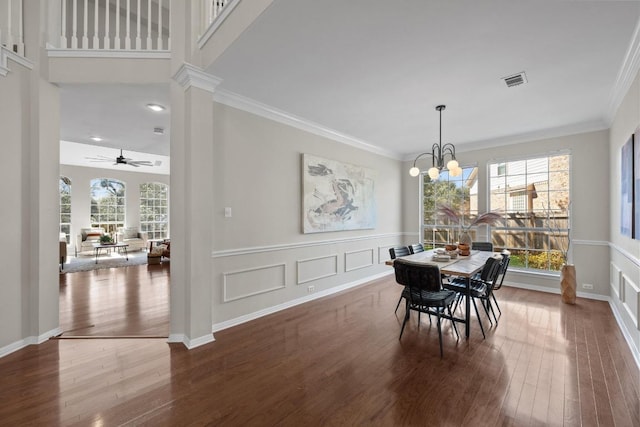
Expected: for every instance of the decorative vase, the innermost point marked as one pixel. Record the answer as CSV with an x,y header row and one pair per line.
x,y
464,238
568,283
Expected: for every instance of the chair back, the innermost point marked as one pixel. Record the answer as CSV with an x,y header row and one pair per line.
x,y
491,270
506,258
482,246
398,251
416,247
417,275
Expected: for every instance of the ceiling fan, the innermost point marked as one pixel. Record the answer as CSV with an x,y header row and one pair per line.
x,y
121,160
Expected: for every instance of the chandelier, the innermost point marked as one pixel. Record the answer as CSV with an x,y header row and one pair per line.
x,y
438,153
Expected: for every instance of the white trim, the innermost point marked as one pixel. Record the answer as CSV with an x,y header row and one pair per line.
x,y
346,260
226,10
191,76
240,102
274,309
32,340
585,295
577,242
635,351
626,76
626,254
115,53
288,246
301,261
191,343
5,55
261,291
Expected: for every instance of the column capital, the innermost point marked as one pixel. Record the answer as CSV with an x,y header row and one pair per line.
x,y
191,76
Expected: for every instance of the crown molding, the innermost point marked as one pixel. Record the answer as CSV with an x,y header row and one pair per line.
x,y
191,76
626,76
243,103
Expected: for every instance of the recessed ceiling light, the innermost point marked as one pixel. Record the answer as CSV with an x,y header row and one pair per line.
x,y
155,107
96,138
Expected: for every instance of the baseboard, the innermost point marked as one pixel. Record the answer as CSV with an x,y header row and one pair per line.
x,y
191,343
586,295
15,346
270,310
635,352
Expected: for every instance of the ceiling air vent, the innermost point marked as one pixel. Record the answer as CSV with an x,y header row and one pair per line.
x,y
515,80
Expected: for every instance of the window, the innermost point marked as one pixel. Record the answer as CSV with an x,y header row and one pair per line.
x,y
65,207
154,210
107,204
459,192
534,194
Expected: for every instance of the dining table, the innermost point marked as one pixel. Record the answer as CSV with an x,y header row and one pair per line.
x,y
464,267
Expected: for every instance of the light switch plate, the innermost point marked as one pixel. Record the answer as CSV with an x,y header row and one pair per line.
x,y
227,212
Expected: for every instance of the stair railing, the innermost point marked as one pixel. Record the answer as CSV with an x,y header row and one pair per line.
x,y
11,25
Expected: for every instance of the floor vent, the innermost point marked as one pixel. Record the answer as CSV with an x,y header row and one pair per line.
x,y
515,80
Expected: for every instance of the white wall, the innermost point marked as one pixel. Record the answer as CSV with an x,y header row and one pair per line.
x,y
624,268
81,199
261,258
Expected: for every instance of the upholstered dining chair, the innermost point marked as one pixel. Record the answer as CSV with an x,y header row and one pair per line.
x,y
426,294
394,253
506,258
416,247
481,288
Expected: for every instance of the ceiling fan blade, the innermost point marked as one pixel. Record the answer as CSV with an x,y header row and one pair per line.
x,y
140,163
100,159
132,164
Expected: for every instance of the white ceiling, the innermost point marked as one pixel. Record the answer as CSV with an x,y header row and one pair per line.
x,y
375,70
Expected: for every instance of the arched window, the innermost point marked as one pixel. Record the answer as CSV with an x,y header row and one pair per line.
x,y
65,207
154,210
107,204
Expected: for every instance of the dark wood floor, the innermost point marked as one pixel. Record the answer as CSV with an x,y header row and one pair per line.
x,y
338,362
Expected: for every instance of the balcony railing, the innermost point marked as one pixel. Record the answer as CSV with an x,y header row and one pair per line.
x,y
140,25
11,26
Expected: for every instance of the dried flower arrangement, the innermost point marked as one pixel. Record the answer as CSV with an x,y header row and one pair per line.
x,y
489,218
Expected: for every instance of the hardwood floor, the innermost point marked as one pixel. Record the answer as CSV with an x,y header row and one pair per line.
x,y
337,361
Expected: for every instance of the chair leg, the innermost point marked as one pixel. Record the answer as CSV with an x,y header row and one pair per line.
x,y
453,323
478,314
399,301
485,305
439,332
496,301
492,310
406,319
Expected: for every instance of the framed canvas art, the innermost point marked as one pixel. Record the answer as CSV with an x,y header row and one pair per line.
x,y
336,196
626,189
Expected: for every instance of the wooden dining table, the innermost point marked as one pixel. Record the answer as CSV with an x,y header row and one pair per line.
x,y
462,266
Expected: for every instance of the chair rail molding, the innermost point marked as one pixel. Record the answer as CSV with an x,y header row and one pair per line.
x,y
6,55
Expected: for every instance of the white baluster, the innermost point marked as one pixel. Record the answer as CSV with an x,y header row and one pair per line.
x,y
74,26
159,25
127,37
85,25
149,41
116,39
96,40
20,29
107,30
63,31
138,38
9,43
169,32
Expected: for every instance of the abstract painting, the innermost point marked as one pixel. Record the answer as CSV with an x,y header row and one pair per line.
x,y
336,196
626,189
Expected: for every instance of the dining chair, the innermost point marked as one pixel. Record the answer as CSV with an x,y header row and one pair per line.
x,y
482,246
416,247
426,294
481,288
395,252
506,258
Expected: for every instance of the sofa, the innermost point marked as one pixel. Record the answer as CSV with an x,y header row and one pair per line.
x,y
87,238
136,240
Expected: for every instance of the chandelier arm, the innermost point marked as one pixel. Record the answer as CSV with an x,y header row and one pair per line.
x,y
419,156
449,149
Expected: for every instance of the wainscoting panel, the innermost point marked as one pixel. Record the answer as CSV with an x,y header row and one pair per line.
x,y
245,283
630,294
383,254
317,268
615,278
358,259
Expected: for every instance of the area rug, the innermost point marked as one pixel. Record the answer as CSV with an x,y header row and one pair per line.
x,y
88,263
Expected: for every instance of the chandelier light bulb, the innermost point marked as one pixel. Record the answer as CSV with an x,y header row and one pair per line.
x,y
434,173
457,171
452,164
414,171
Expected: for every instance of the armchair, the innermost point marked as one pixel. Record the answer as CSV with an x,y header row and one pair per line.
x,y
137,240
86,239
